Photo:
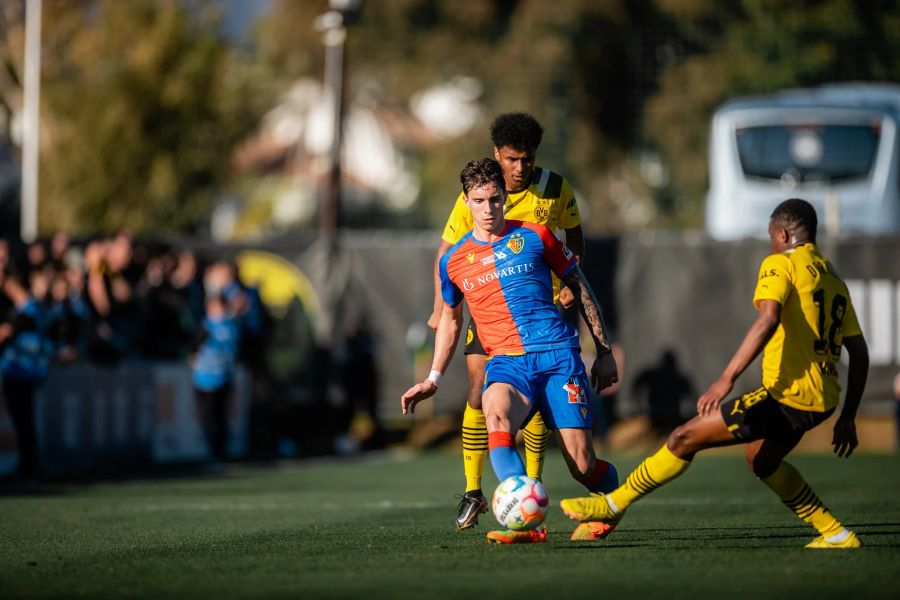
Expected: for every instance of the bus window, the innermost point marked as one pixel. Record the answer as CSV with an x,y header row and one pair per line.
x,y
826,153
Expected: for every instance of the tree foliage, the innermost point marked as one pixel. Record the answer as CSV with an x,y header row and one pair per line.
x,y
754,47
144,100
139,109
579,66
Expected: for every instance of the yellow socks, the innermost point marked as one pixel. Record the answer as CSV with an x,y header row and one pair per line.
x,y
656,470
537,438
796,494
475,446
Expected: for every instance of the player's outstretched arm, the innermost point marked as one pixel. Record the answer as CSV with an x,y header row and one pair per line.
x,y
754,341
603,372
845,440
445,339
435,317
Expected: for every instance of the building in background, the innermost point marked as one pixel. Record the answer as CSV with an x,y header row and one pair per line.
x,y
287,157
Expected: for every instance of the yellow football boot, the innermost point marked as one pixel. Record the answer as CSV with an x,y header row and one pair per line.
x,y
591,531
820,543
590,509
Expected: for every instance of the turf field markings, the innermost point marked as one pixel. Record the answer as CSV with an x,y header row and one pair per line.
x,y
390,504
700,501
251,506
212,506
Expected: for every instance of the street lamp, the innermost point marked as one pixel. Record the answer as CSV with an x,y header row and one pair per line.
x,y
334,35
332,288
31,122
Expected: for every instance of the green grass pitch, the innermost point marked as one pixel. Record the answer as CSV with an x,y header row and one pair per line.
x,y
381,527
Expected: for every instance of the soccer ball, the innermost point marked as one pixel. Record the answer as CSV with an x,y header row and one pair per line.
x,y
520,503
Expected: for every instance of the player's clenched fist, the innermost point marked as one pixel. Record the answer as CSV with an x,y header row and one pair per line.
x,y
604,372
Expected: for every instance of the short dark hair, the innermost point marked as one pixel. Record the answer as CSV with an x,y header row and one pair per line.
x,y
796,214
481,172
518,130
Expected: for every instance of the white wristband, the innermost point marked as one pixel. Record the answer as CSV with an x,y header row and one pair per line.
x,y
435,376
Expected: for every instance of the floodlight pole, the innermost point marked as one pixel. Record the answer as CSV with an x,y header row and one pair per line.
x,y
31,122
333,24
334,38
331,277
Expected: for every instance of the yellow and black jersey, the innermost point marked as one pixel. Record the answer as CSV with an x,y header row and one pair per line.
x,y
799,361
549,201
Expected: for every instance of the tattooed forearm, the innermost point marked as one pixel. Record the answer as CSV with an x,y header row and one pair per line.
x,y
590,308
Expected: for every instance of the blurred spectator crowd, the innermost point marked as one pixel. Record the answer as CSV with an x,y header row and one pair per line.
x,y
111,299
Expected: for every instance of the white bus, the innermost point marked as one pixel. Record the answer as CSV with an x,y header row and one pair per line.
x,y
835,146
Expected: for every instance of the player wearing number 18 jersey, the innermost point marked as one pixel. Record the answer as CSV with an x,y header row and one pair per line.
x,y
800,371
805,319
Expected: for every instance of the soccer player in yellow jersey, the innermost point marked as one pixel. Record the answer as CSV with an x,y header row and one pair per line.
x,y
805,318
536,195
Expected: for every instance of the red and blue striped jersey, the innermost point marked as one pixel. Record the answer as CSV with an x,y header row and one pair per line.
x,y
509,289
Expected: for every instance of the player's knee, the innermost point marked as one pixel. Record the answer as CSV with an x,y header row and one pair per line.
x,y
473,394
681,441
760,465
498,423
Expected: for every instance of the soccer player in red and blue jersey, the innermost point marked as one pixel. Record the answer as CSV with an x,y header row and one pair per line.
x,y
502,268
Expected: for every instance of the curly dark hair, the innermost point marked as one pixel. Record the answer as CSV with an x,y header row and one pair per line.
x,y
796,215
518,130
481,172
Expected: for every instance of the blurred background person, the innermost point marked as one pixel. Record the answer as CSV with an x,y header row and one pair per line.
x,y
662,389
358,376
24,355
213,367
169,321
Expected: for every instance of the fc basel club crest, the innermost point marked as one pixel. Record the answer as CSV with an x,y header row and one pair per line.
x,y
516,243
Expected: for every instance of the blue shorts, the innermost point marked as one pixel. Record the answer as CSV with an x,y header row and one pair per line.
x,y
554,380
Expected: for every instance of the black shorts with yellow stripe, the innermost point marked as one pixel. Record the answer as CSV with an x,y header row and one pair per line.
x,y
757,415
473,344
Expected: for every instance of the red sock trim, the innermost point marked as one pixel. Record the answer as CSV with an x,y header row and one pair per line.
x,y
501,439
601,468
